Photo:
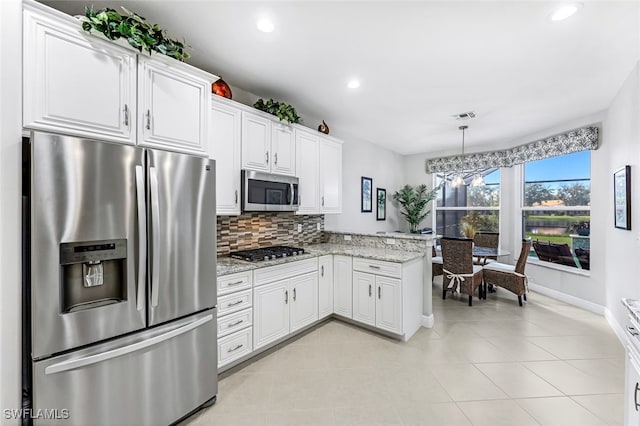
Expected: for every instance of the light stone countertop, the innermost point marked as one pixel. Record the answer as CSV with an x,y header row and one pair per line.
x,y
228,265
387,234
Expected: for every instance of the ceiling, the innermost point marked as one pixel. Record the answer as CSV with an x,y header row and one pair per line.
x,y
419,63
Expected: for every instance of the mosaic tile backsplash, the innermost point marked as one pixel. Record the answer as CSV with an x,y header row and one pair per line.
x,y
255,230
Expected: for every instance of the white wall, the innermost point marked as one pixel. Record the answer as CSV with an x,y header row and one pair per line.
x,y
10,200
360,158
622,147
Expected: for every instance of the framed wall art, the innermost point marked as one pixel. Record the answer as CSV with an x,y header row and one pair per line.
x,y
365,194
622,198
381,211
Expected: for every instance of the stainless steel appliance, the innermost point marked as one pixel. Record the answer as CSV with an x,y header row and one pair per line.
x,y
266,253
122,282
269,192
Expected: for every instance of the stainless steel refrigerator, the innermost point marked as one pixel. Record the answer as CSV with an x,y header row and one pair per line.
x,y
120,283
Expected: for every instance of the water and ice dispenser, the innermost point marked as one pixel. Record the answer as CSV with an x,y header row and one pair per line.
x,y
93,274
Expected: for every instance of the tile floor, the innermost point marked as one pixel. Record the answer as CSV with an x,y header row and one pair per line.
x,y
494,363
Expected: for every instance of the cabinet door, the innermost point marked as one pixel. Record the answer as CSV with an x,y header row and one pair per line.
x,y
76,84
308,172
303,292
283,147
330,176
388,304
325,286
632,385
173,107
270,313
224,146
364,302
342,285
256,142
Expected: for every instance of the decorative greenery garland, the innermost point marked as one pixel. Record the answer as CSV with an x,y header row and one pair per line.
x,y
279,109
134,29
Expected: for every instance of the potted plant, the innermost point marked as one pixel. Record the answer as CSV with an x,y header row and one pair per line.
x,y
280,109
413,202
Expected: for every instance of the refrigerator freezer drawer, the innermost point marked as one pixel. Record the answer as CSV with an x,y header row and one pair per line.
x,y
235,346
150,378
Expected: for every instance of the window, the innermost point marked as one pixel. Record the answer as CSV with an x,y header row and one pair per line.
x,y
466,209
556,208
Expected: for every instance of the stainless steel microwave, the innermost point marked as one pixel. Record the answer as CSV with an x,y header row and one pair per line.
x,y
266,192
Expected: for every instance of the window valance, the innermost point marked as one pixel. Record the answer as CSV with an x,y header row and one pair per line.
x,y
566,143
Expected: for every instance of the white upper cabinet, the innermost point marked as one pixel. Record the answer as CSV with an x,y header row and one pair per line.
x,y
330,176
308,168
173,105
225,126
74,83
267,146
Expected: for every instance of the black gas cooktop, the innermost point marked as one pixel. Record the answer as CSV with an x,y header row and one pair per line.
x,y
266,253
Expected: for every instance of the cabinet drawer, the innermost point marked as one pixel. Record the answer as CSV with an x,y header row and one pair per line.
x,y
234,302
282,272
234,346
378,267
234,322
234,282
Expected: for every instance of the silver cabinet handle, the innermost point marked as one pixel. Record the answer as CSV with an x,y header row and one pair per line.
x,y
374,267
322,271
233,324
267,156
294,294
369,290
235,349
275,158
632,330
286,296
148,119
379,292
236,303
142,237
235,283
155,226
114,353
236,196
292,194
126,115
635,396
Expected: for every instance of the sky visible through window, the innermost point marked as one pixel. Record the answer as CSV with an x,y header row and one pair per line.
x,y
569,166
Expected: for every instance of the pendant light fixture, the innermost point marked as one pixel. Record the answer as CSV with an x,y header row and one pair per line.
x,y
458,180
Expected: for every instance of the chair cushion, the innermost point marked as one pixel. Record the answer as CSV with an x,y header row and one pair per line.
x,y
437,259
477,268
499,267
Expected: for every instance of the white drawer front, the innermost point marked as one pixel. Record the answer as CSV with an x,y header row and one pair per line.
x,y
234,322
234,346
234,282
378,267
234,302
282,272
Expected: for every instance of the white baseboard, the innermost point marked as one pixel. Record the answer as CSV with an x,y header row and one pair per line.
x,y
572,300
615,326
428,320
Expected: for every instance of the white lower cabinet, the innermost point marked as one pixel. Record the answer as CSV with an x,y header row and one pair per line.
x,y
632,385
377,301
342,285
364,302
304,301
234,346
235,317
325,286
271,313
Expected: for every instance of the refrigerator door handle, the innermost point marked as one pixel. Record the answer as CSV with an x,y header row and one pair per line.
x,y
155,229
114,353
142,238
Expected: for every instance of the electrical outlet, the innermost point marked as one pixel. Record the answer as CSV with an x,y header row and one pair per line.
x,y
318,227
390,241
299,227
347,237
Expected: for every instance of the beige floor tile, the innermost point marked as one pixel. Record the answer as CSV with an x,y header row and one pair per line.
x,y
606,407
561,411
443,414
314,417
413,386
520,349
496,413
571,380
580,347
517,381
371,415
214,417
609,370
465,382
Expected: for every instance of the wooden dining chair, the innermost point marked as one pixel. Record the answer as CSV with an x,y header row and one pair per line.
x,y
510,277
458,268
486,239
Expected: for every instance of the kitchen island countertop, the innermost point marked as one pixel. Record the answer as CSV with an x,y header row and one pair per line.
x,y
228,265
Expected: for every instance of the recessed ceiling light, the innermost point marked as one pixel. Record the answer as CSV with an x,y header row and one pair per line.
x,y
265,25
353,84
565,11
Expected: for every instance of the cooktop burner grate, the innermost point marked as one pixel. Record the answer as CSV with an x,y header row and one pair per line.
x,y
266,253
